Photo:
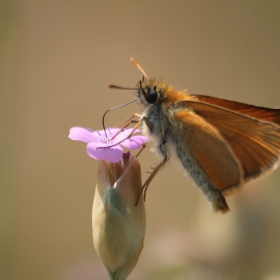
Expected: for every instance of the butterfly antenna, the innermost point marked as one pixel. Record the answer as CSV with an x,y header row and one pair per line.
x,y
139,67
118,87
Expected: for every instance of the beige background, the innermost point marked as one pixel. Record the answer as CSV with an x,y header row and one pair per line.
x,y
57,58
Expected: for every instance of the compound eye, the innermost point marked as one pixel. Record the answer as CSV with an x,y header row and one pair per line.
x,y
151,95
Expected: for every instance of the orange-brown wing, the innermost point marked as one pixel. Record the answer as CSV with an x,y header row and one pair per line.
x,y
255,143
210,156
261,113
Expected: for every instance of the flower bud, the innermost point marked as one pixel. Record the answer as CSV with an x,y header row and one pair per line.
x,y
118,224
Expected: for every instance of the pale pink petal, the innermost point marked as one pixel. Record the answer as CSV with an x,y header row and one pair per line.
x,y
82,134
134,142
112,154
110,133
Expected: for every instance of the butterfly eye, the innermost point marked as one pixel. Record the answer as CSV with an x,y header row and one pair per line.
x,y
151,95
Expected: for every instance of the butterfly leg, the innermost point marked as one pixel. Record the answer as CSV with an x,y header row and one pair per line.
x,y
127,122
122,126
150,178
130,120
153,174
141,149
136,126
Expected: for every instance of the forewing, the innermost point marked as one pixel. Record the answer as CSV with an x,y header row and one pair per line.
x,y
210,154
261,113
255,143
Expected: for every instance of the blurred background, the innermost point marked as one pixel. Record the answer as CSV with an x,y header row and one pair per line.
x,y
57,59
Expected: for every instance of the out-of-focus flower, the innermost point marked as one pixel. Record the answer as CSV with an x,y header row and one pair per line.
x,y
118,224
108,148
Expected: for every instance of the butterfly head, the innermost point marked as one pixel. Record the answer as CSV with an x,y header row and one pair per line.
x,y
149,91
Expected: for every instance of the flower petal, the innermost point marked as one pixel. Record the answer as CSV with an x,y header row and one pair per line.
x,y
110,133
82,134
134,142
112,154
124,134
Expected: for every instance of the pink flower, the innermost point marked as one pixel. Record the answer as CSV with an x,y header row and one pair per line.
x,y
108,148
